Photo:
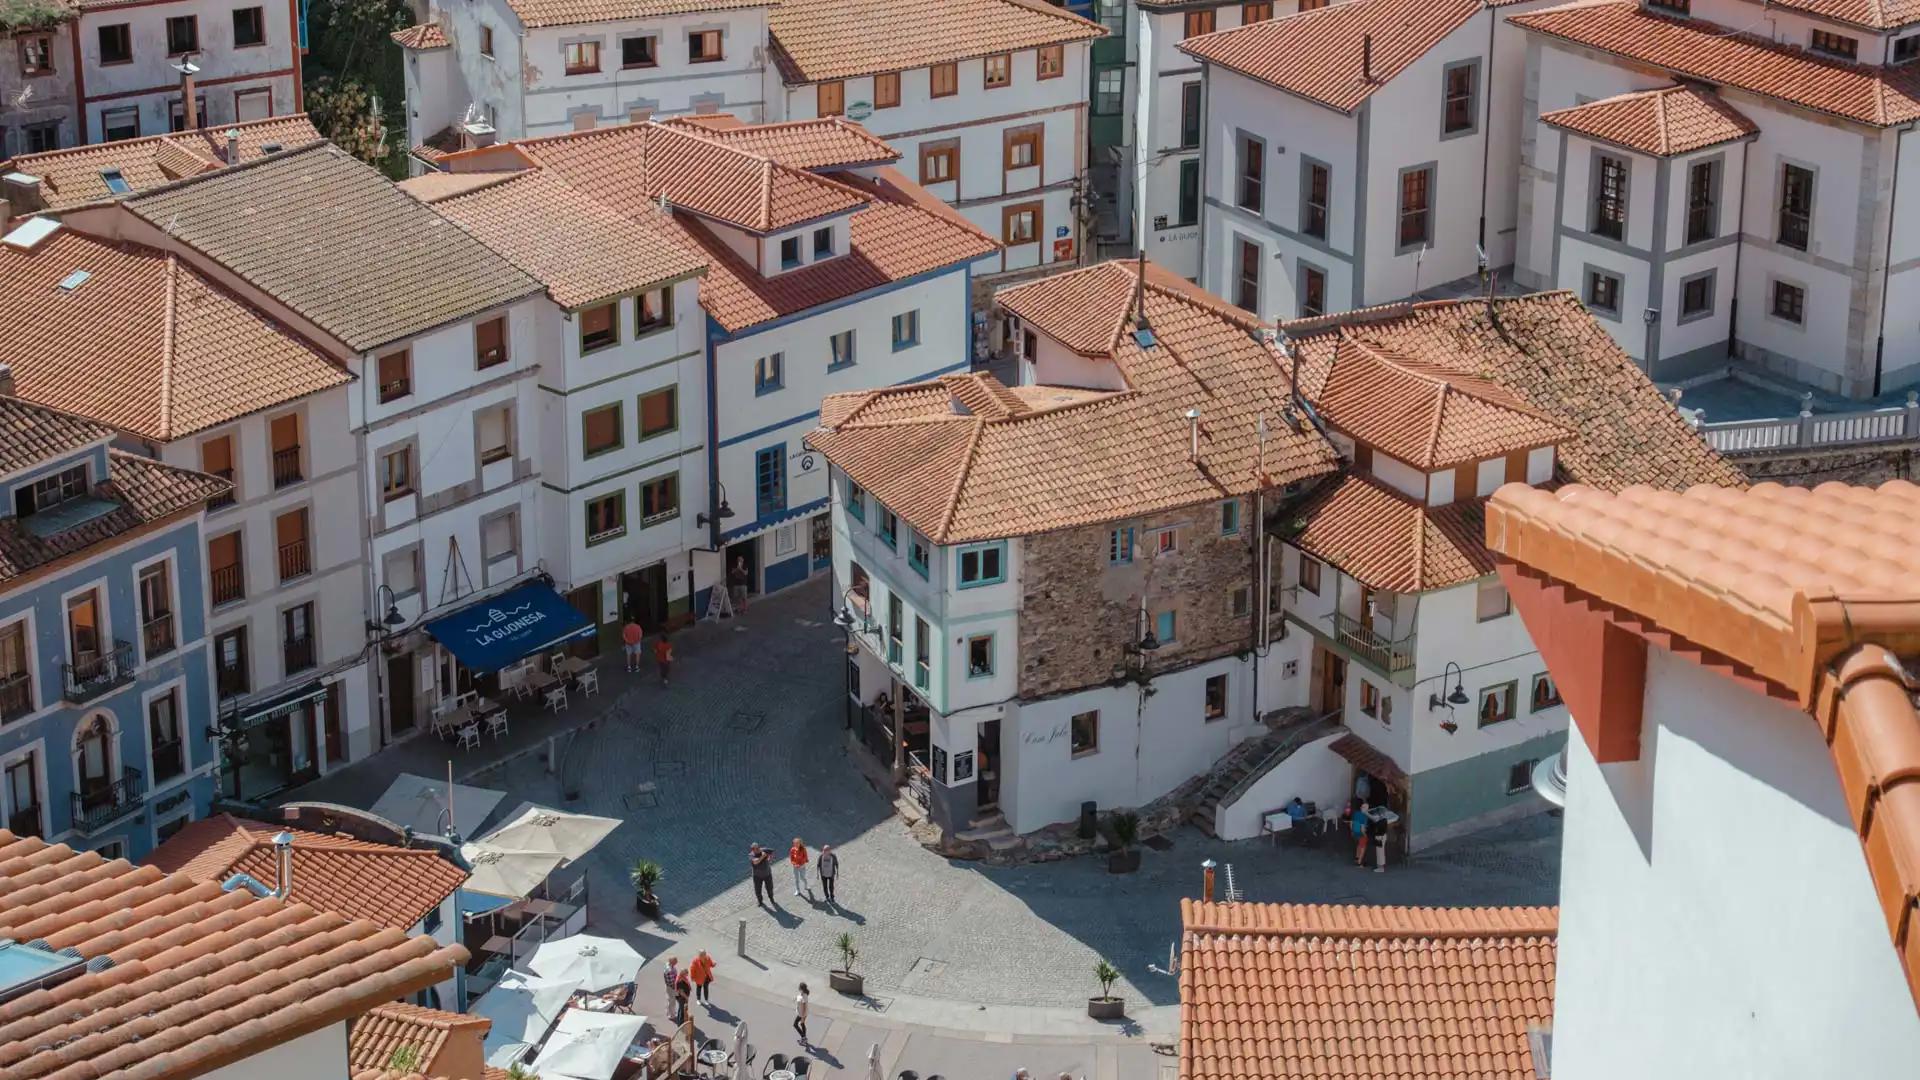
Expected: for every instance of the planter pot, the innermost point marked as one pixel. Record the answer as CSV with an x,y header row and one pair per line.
x,y
1123,862
847,982
647,904
1107,1008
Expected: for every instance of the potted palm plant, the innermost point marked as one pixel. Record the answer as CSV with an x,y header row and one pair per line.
x,y
645,874
1124,859
844,979
1106,1006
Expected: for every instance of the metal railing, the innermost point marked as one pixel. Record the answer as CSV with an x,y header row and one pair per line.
x,y
921,674
96,806
286,466
229,583
295,561
226,497
25,821
1391,657
156,634
296,654
919,782
1292,741
229,681
169,760
91,676
1809,430
16,695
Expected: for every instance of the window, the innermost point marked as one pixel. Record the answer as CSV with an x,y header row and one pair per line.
x,y
789,253
606,517
1246,282
225,572
400,571
937,161
486,41
918,553
1166,541
1796,206
889,528
499,539
1696,296
704,47
1166,627
1230,517
1789,302
490,342
984,565
840,350
1085,733
999,71
943,80
44,137
770,480
1313,291
1459,93
493,433
906,331
1545,694
1020,224
1609,197
23,796
396,473
659,499
922,653
1496,704
856,500
294,555
979,656
1188,211
599,327
640,52
1199,22
1906,49
1492,601
163,737
1369,699
823,242
1252,171
1190,116
1120,545
16,672
249,27
653,310
830,99
1416,207
769,373
296,639
396,375
183,34
1022,149
156,610
36,54
601,430
50,491
230,663
886,90
659,412
1677,7
1256,11
116,44
1703,201
121,123
255,104
1241,603
1109,91
1050,61
1310,575
1839,45
1603,292
1216,697
1520,780
1316,183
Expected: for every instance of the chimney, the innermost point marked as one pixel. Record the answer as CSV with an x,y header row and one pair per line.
x,y
283,850
1366,57
1206,882
475,134
6,380
22,194
1193,434
233,146
189,107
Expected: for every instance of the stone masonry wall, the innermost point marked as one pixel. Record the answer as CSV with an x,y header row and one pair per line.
x,y
1079,612
1872,466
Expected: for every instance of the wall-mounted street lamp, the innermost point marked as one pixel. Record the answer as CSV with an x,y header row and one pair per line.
x,y
1448,699
844,617
722,513
392,620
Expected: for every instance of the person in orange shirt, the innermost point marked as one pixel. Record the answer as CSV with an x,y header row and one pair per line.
x,y
701,972
663,656
630,636
797,855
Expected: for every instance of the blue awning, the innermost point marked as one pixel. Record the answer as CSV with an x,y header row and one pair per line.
x,y
494,633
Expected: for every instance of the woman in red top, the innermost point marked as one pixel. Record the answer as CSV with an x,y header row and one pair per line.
x,y
797,855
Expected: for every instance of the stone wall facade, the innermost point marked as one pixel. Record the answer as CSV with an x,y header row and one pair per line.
x,y
1869,466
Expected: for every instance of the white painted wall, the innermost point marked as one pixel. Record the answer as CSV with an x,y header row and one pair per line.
x,y
318,1055
1716,907
1489,653
149,81
1312,774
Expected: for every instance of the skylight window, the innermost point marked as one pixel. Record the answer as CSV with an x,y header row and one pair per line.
x,y
270,148
75,280
115,182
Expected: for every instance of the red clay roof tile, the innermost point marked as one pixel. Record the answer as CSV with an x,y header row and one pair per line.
x,y
818,40
1665,122
73,176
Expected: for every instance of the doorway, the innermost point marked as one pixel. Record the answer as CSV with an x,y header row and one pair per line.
x,y
1333,684
400,716
643,596
336,735
586,601
749,551
987,761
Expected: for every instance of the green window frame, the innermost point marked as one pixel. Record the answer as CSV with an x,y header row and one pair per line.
x,y
918,552
980,565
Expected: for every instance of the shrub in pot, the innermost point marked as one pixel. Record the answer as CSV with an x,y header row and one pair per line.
x,y
1106,1006
645,874
1125,859
843,979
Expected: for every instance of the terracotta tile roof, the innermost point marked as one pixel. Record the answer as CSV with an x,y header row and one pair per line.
x,y
71,177
440,1043
1721,55
1427,415
434,148
1548,353
146,343
381,883
141,491
1361,992
1368,758
1665,122
830,143
1010,467
488,1073
538,13
432,187
338,243
422,37
1870,14
820,40
1390,542
32,434
1318,54
606,254
1812,591
199,979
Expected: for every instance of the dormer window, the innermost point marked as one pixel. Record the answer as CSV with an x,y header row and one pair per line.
x,y
50,491
823,242
789,253
1672,7
654,310
1906,49
1836,45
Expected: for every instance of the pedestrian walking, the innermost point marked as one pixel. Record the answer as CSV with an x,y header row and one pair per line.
x,y
630,637
701,971
1377,836
682,993
797,856
1359,822
737,579
829,867
671,977
663,656
761,860
800,1014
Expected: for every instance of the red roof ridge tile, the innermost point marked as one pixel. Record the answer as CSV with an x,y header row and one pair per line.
x,y
1366,921
1613,119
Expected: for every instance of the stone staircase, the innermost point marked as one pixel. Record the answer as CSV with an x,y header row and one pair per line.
x,y
991,830
1253,759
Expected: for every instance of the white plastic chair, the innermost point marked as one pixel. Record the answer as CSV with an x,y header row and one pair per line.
x,y
557,699
497,724
589,682
470,737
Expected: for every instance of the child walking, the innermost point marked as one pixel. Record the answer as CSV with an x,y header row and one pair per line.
x,y
800,1014
663,656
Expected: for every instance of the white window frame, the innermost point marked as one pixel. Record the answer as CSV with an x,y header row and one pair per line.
x,y
178,687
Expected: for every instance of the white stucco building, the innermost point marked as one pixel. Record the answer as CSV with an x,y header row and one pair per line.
x,y
246,65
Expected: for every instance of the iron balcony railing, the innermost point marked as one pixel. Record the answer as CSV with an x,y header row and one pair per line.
x,y
25,821
91,676
98,805
156,634
297,654
169,760
286,466
225,498
1392,657
229,583
230,681
16,695
295,561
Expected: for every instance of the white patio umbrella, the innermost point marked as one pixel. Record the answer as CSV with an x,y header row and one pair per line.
x,y
418,803
594,962
873,1063
538,828
588,1045
522,1008
741,1068
505,872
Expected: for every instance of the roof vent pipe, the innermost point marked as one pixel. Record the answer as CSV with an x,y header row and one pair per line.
x,y
1193,434
283,849
233,146
1366,57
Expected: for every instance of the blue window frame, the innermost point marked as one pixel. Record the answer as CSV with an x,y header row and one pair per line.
x,y
856,501
980,656
840,348
982,564
1120,545
769,373
770,480
789,253
1230,517
917,552
906,330
889,528
1164,628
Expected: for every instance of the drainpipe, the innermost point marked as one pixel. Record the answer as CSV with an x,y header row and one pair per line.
x,y
1486,128
1886,275
1733,292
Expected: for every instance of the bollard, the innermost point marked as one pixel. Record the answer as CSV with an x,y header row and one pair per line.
x,y
553,752
742,946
